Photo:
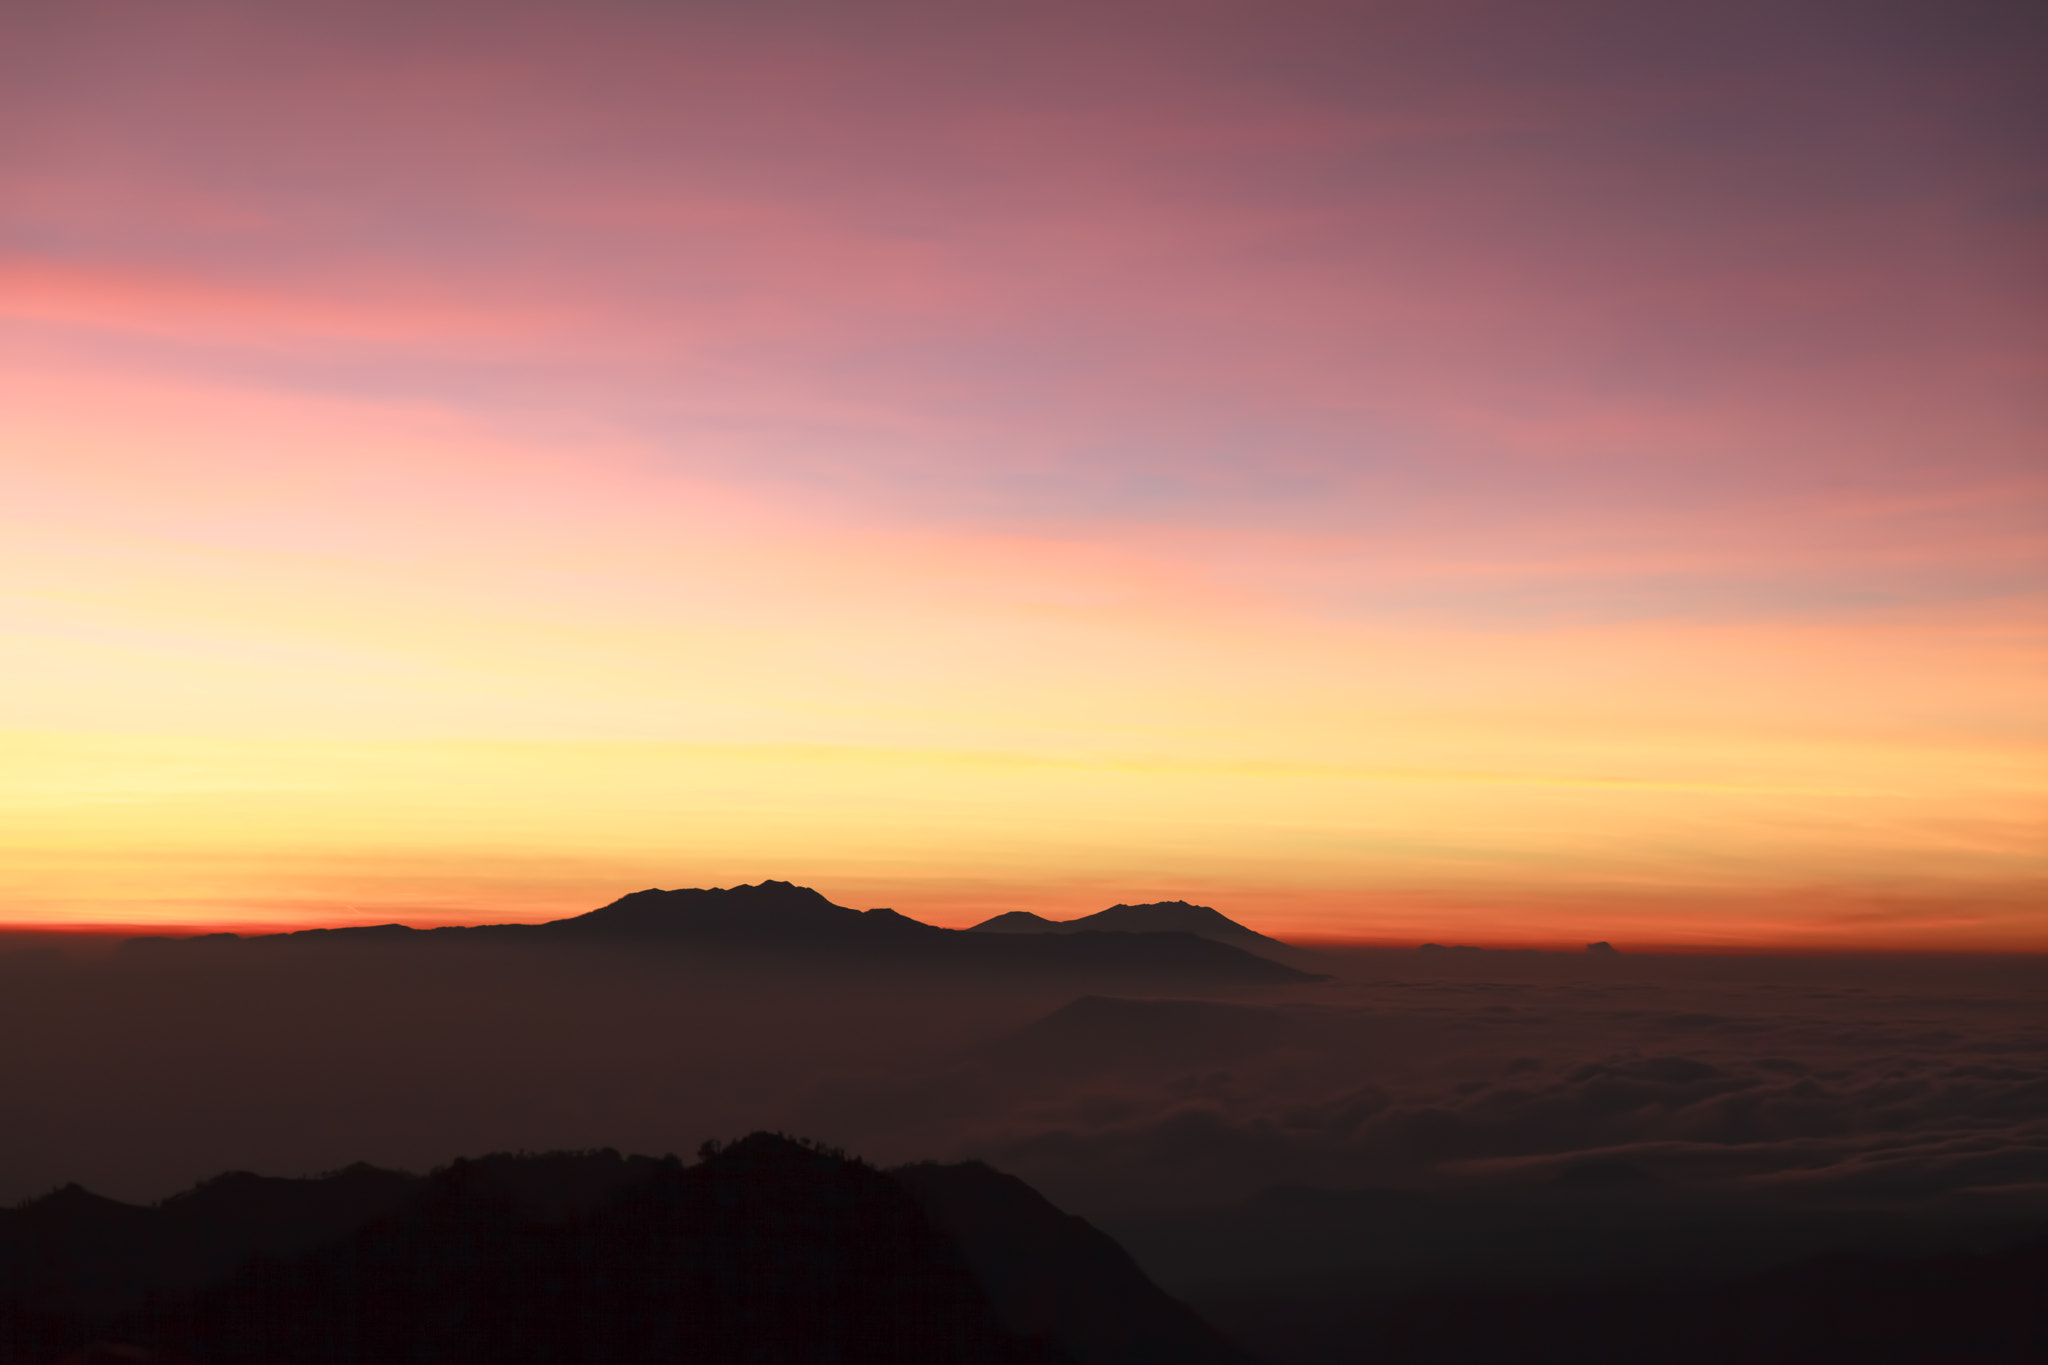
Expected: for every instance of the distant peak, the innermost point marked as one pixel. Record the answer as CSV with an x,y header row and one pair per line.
x,y
1153,917
764,893
1018,922
1174,917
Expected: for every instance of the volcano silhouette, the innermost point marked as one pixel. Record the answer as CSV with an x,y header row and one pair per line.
x,y
775,919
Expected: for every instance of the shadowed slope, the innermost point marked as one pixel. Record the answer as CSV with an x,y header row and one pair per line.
x,y
1051,1274
767,1250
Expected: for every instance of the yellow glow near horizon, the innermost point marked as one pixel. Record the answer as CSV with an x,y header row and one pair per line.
x,y
212,832
261,691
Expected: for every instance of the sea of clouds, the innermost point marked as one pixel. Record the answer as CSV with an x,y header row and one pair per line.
x,y
1414,1115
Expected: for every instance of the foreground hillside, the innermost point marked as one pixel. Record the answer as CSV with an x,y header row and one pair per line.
x,y
773,1250
765,1250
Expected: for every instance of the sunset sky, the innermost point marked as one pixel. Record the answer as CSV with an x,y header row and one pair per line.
x,y
1483,472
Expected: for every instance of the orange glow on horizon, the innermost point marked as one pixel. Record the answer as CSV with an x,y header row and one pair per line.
x,y
1437,508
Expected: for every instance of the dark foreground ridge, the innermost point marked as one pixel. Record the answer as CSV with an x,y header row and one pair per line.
x,y
772,1250
768,1250
781,919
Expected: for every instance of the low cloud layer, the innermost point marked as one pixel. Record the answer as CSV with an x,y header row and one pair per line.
x,y
1416,1111
1816,1079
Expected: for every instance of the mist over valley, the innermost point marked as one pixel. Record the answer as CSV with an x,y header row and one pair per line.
x,y
1275,1146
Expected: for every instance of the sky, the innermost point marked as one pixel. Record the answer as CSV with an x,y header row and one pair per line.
x,y
1391,471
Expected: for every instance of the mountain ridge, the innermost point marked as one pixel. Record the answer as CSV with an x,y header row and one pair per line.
x,y
797,921
1153,917
765,1244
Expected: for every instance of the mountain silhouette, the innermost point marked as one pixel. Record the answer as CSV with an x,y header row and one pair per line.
x,y
778,919
74,1252
1158,917
766,913
767,1249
